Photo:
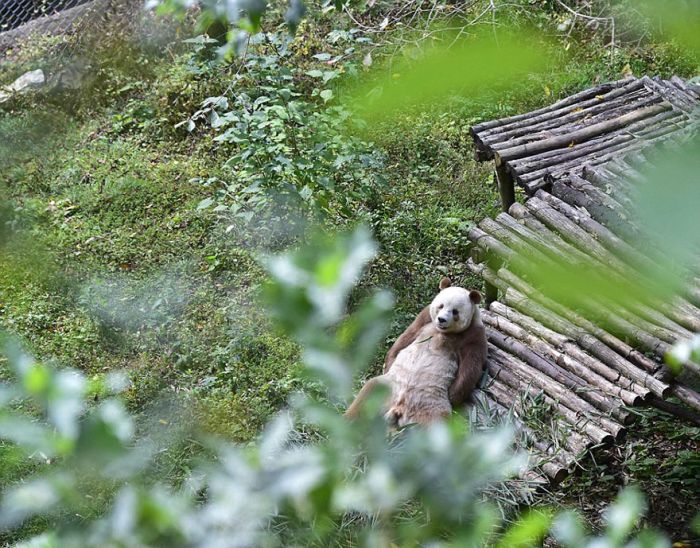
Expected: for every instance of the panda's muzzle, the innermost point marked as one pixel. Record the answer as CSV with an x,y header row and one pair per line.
x,y
442,322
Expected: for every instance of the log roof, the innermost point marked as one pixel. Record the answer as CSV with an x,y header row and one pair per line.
x,y
588,360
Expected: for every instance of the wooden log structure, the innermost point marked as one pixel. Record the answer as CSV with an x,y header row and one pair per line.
x,y
588,357
593,126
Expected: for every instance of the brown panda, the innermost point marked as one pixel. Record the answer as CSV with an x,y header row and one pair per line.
x,y
436,363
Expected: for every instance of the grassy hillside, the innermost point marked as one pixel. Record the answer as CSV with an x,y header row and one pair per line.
x,y
135,243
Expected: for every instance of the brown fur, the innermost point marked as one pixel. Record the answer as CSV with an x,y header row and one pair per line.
x,y
469,346
472,350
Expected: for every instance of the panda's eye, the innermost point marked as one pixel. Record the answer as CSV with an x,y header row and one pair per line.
x,y
455,312
441,306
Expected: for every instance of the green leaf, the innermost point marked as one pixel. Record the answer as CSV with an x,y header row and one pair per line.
x,y
326,95
204,204
529,530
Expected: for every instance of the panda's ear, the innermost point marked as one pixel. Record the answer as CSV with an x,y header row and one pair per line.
x,y
475,297
445,283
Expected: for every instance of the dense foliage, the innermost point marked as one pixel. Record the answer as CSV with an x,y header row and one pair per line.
x,y
134,219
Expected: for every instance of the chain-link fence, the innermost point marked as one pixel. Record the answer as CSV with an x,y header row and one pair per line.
x,y
14,13
23,19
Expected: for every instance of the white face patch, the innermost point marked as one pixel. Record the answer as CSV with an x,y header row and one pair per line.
x,y
452,310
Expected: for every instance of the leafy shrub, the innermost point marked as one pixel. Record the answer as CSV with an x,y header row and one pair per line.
x,y
313,478
287,146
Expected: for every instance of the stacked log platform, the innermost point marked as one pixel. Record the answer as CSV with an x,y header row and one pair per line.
x,y
589,128
567,367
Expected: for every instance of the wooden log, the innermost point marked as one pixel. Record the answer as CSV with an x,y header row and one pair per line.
x,y
631,392
570,100
595,195
572,233
619,191
569,152
637,159
609,182
495,251
687,395
503,234
608,200
586,341
604,155
675,410
515,394
692,92
614,218
553,372
515,242
506,187
507,412
548,459
609,339
574,410
579,135
665,134
679,311
562,124
661,333
544,244
546,175
681,317
632,316
627,170
670,93
588,376
629,327
607,238
680,86
555,114
558,392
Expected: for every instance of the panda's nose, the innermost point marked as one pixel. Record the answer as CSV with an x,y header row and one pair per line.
x,y
441,319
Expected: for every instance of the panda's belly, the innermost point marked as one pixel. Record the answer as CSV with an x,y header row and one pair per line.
x,y
422,373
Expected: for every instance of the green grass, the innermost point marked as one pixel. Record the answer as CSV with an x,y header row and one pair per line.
x,y
118,269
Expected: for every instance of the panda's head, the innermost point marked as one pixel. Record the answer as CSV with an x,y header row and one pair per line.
x,y
454,309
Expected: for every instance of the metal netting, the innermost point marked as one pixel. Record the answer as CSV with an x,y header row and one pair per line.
x,y
73,22
14,13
